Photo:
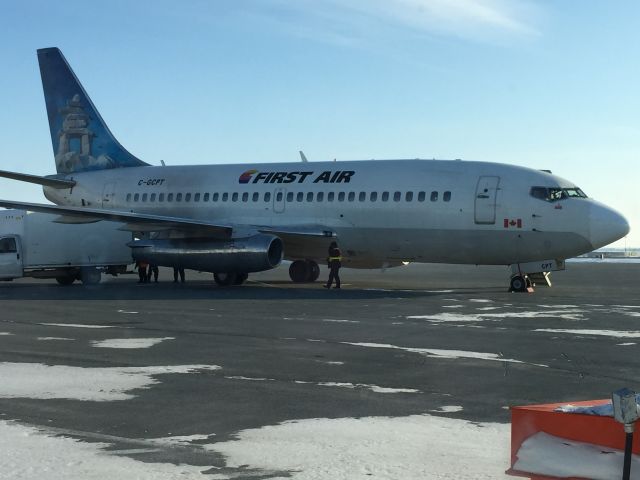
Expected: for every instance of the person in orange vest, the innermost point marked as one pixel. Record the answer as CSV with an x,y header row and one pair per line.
x,y
141,265
335,262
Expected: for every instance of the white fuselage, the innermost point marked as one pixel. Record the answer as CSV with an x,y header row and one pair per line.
x,y
384,212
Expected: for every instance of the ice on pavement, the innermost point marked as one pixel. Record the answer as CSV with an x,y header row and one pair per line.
x,y
129,342
36,380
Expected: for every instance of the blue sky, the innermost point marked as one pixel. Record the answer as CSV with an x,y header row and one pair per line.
x,y
542,84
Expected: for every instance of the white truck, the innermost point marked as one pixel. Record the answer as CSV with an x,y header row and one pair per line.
x,y
34,245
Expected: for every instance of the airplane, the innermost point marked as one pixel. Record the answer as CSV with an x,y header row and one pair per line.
x,y
235,219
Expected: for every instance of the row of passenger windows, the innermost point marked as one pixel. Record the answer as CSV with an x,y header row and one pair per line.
x,y
279,197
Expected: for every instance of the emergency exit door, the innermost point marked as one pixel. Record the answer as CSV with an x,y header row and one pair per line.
x,y
486,194
279,200
10,257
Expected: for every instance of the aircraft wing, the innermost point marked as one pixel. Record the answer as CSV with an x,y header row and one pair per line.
x,y
143,222
132,221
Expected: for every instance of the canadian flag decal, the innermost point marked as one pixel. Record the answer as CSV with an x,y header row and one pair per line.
x,y
512,223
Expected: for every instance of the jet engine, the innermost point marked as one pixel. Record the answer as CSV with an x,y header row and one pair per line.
x,y
252,254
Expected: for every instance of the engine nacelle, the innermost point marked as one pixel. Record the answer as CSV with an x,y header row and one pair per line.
x,y
252,254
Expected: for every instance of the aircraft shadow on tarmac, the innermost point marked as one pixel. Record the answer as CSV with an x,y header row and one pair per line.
x,y
201,290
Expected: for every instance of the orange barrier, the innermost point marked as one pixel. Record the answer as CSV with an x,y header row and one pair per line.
x,y
531,419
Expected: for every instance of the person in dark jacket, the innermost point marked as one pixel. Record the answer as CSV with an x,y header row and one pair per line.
x,y
178,271
153,270
335,262
141,265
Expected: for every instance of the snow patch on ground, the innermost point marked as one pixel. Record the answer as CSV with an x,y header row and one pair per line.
x,y
30,453
54,338
480,300
373,388
125,311
408,448
76,325
626,344
250,379
448,409
569,314
604,333
36,380
545,454
5,333
438,353
339,321
129,342
453,306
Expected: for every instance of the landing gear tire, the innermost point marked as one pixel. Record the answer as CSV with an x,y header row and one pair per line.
x,y
240,278
314,271
225,279
520,283
90,276
65,279
303,271
299,271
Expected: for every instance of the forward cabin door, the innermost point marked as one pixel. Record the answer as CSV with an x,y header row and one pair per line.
x,y
486,193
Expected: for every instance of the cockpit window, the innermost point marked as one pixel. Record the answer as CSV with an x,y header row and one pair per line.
x,y
553,194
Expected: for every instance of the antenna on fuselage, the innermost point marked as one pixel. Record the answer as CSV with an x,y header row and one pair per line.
x,y
162,162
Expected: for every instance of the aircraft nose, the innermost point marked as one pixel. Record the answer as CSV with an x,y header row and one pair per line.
x,y
606,225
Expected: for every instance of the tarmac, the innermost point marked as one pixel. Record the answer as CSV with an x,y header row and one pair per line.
x,y
393,343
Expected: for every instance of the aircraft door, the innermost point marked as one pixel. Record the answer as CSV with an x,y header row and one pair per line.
x,y
279,200
108,195
10,257
485,203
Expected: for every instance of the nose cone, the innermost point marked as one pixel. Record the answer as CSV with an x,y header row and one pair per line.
x,y
605,225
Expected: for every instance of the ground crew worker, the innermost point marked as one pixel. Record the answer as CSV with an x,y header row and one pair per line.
x,y
141,265
178,271
153,269
335,262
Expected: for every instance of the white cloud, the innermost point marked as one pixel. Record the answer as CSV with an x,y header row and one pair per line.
x,y
353,22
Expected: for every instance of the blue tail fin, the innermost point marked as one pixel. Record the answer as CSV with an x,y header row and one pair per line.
x,y
81,140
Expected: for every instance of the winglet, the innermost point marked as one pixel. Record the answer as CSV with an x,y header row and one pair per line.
x,y
302,157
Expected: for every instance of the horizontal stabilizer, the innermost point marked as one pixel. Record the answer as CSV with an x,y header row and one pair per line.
x,y
44,181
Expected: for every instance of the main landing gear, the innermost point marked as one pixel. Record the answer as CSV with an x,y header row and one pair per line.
x,y
304,271
226,279
520,283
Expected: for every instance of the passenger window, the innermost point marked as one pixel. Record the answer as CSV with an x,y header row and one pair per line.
x,y
320,196
245,196
152,198
434,196
290,197
278,197
8,245
267,197
136,197
446,196
362,196
206,197
178,197
385,196
373,196
421,196
341,197
310,197
128,197
161,197
187,197
215,197
352,196
196,197
225,197
255,197
408,196
397,196
170,197
300,196
330,196
234,197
